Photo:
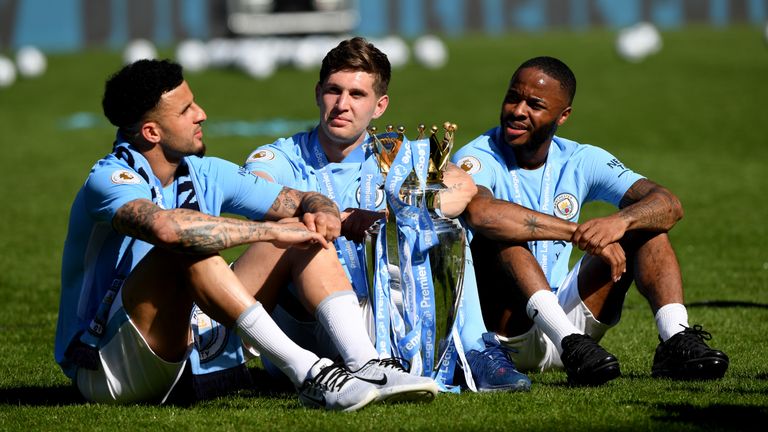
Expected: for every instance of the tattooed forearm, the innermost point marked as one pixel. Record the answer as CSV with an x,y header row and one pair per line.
x,y
286,203
136,219
205,234
532,224
185,230
647,205
316,203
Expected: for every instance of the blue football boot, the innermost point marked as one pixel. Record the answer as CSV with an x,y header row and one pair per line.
x,y
493,370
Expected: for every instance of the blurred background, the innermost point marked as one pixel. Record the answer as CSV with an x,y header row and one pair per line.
x,y
675,89
261,36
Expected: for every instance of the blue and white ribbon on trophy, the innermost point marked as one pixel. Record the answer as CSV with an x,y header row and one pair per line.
x,y
413,334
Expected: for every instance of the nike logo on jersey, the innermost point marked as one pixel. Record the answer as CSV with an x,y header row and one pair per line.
x,y
535,314
381,381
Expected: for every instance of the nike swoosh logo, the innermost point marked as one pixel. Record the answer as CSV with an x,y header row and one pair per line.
x,y
381,381
319,401
535,314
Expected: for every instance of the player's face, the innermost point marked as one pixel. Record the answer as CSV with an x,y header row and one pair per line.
x,y
180,122
533,108
347,105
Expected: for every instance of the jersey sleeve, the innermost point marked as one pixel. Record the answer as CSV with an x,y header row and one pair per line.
x,y
109,187
608,178
244,193
273,161
478,164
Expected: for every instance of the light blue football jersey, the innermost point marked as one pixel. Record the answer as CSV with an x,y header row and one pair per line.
x,y
93,250
299,162
573,175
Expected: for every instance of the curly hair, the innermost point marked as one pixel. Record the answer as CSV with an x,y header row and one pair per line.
x,y
135,90
357,54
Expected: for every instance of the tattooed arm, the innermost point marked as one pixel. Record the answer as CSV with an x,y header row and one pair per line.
x,y
191,231
502,220
645,206
315,210
505,221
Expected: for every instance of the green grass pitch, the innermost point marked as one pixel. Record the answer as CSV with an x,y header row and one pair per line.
x,y
692,118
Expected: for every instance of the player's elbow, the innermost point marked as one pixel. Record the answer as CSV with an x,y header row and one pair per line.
x,y
165,233
677,209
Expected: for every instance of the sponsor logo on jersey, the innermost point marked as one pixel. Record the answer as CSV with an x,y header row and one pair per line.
x,y
379,196
566,206
470,164
614,163
125,177
261,156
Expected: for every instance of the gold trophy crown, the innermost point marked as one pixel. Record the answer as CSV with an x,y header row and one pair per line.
x,y
386,145
439,150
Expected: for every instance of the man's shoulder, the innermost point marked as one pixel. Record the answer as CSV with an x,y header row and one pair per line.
x,y
110,169
576,150
485,140
288,148
482,148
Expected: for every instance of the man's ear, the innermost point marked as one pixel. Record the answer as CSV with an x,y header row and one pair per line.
x,y
381,106
318,93
564,116
150,131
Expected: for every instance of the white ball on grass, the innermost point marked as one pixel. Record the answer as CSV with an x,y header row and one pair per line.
x,y
7,72
192,55
31,62
430,52
765,33
255,58
139,49
637,42
396,50
221,52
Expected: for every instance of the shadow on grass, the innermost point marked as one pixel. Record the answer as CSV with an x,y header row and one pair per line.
x,y
727,304
263,385
41,396
714,417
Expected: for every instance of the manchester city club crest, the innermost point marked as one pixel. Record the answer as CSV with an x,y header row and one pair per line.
x,y
210,336
566,206
470,164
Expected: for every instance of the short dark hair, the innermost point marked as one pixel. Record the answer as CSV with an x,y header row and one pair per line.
x,y
357,54
556,69
134,90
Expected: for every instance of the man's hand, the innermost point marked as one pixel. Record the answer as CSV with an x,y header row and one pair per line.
x,y
355,221
326,224
600,237
290,232
613,255
594,235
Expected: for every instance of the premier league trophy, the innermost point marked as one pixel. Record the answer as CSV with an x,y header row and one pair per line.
x,y
446,255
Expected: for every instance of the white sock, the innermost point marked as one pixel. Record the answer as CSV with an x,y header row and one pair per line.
x,y
670,320
547,313
258,329
342,318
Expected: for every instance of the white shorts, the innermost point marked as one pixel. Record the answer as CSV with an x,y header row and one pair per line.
x,y
129,371
535,351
